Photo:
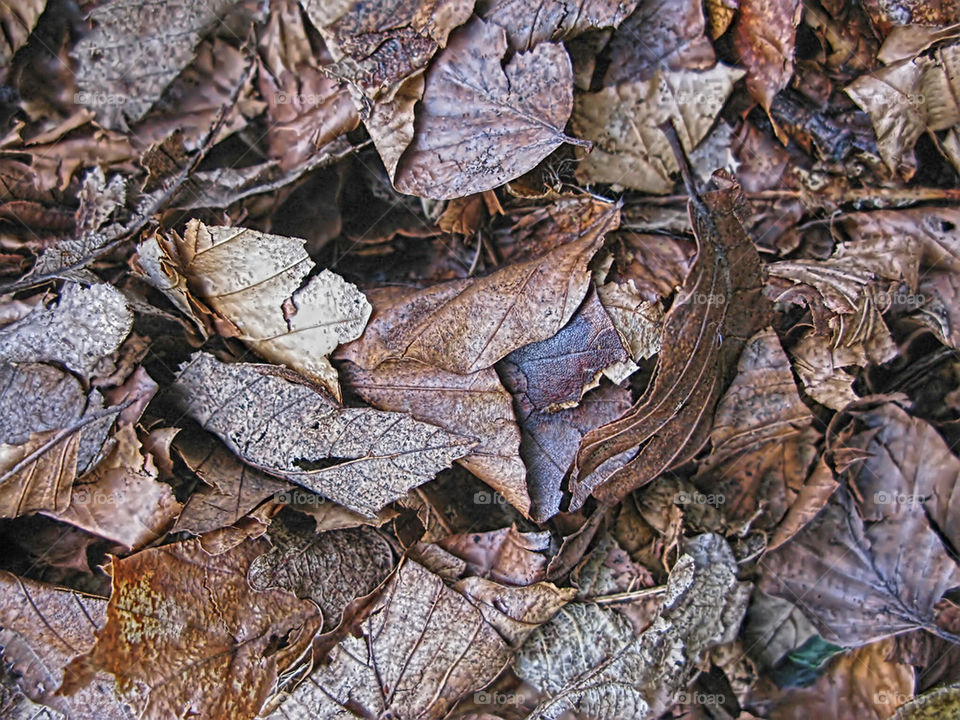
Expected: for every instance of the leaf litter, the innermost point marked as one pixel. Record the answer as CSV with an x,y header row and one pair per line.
x,y
480,359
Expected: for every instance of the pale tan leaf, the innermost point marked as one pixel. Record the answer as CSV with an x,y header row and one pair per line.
x,y
531,22
17,21
258,282
358,457
622,120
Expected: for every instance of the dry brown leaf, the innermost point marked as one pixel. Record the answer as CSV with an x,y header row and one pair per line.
x,y
774,628
186,636
17,21
762,439
631,151
659,36
120,499
619,675
471,405
84,326
423,647
232,490
505,556
810,500
467,325
129,57
718,310
481,122
764,40
940,704
531,22
262,285
331,568
861,583
555,373
639,322
860,683
52,431
43,629
358,457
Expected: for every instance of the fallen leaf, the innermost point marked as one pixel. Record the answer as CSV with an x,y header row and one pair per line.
x,y
860,683
505,556
707,326
555,373
764,41
331,568
810,500
762,439
859,583
358,457
231,489
659,36
83,327
128,58
17,21
262,285
639,321
120,499
773,628
423,646
619,675
531,22
475,128
467,325
471,405
184,632
940,704
622,121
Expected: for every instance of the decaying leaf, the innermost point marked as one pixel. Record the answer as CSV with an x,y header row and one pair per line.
x,y
472,405
423,646
764,40
480,121
531,22
859,583
77,332
762,439
129,57
619,675
358,457
52,431
555,373
712,318
330,568
17,21
467,325
121,499
940,704
43,629
262,285
639,321
622,120
505,556
186,635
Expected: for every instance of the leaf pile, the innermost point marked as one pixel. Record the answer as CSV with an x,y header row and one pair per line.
x,y
480,359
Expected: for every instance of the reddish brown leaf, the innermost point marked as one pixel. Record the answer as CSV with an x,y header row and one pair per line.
x,y
764,38
505,556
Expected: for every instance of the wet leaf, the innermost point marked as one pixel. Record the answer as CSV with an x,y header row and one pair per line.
x,y
467,325
365,458
184,632
704,332
262,285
